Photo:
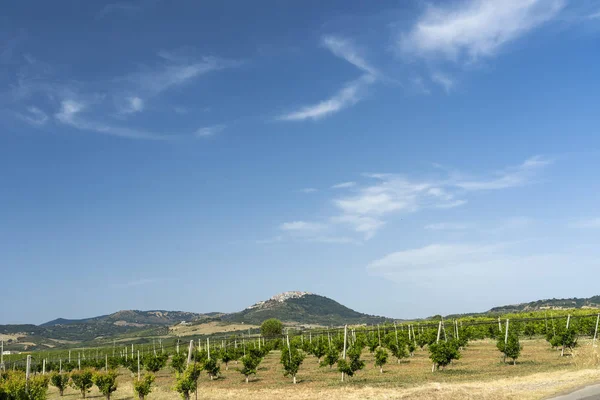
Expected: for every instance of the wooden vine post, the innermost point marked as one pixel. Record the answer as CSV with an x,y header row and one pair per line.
x,y
506,339
562,352
437,341
344,352
596,331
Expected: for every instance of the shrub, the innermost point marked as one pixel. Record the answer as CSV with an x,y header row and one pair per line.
x,y
178,362
60,381
187,382
319,348
143,387
82,381
443,353
353,364
106,382
250,362
291,359
212,368
331,357
381,357
512,348
154,363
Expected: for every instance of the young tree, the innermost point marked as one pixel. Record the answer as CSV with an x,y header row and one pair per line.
x,y
178,362
154,363
82,381
331,357
250,362
512,348
60,381
212,368
187,382
372,342
291,359
271,328
143,387
443,353
353,364
106,382
319,349
226,356
381,357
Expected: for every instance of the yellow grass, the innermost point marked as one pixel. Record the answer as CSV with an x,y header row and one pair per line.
x,y
479,374
208,328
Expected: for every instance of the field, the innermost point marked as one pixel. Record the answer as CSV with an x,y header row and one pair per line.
x,y
479,374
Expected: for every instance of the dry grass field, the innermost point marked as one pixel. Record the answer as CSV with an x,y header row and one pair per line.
x,y
479,374
208,328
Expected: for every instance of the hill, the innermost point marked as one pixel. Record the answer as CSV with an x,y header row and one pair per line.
x,y
302,308
575,302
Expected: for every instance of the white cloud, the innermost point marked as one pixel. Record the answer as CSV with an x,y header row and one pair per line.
x,y
35,116
345,49
475,28
351,94
367,207
309,190
589,223
447,226
443,80
208,131
178,71
69,114
510,177
595,15
302,226
139,282
133,105
344,185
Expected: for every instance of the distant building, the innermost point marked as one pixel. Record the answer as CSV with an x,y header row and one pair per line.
x,y
9,352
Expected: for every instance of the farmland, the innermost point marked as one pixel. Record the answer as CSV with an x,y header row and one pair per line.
x,y
479,374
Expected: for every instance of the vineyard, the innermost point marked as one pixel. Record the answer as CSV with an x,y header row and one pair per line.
x,y
390,355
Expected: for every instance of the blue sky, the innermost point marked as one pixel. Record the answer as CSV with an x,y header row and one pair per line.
x,y
403,158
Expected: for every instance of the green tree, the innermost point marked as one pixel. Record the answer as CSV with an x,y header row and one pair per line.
x,y
271,328
291,359
106,382
60,381
443,353
250,364
381,357
353,364
82,381
154,363
512,348
212,368
143,387
331,357
178,362
227,356
319,349
187,382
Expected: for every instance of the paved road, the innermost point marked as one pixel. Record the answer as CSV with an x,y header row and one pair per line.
x,y
587,393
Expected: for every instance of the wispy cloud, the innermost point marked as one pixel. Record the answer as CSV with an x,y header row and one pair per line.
x,y
177,70
34,116
132,105
125,7
345,49
350,94
443,80
70,114
344,185
595,15
209,131
367,208
475,28
302,226
309,190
